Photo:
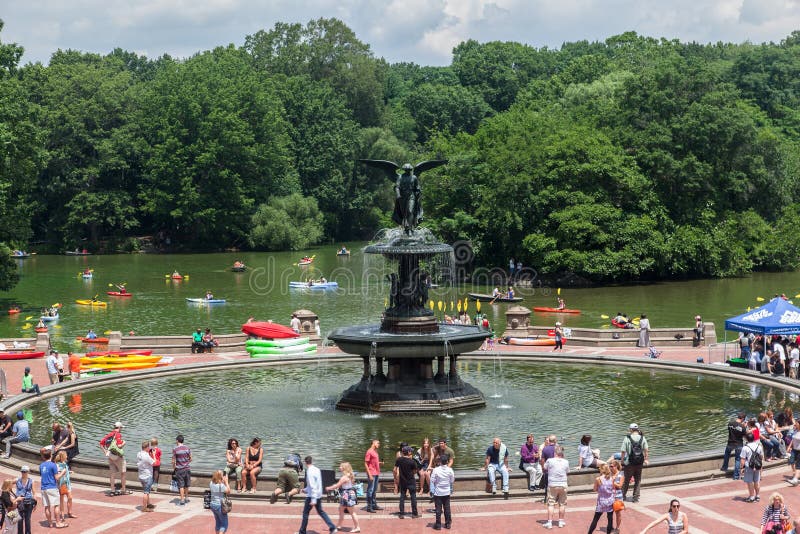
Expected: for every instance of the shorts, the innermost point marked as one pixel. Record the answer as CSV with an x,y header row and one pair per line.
x,y
117,464
50,497
751,476
183,477
288,480
75,375
146,483
556,495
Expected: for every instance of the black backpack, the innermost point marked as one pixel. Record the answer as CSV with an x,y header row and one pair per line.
x,y
756,459
636,456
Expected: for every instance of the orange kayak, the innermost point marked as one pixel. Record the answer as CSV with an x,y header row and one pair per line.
x,y
99,340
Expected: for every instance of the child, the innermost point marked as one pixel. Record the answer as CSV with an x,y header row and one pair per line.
x,y
155,452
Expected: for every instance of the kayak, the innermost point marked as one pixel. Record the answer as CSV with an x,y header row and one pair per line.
x,y
138,352
94,303
73,253
40,329
304,285
20,256
14,311
622,325
241,269
545,309
307,261
276,342
98,340
534,342
133,366
49,318
268,330
87,275
257,352
118,294
206,301
482,297
23,355
121,360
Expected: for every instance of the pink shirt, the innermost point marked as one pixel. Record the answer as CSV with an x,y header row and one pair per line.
x,y
373,462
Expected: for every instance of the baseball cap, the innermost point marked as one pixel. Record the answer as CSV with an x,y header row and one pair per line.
x,y
407,450
634,426
28,369
443,440
20,414
25,469
558,324
117,425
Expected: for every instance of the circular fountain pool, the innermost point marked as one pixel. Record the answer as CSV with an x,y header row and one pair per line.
x,y
291,408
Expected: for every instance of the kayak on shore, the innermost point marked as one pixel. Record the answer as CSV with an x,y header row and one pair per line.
x,y
533,342
21,355
268,330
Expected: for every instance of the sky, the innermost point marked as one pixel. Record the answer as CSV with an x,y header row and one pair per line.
x,y
420,31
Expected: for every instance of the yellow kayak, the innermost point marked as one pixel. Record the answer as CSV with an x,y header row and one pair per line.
x,y
119,360
87,302
132,366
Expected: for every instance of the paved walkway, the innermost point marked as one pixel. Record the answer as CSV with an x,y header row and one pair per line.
x,y
713,506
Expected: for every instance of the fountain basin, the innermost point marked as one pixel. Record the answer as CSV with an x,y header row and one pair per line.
x,y
370,341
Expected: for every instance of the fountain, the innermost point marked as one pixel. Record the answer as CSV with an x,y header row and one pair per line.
x,y
409,337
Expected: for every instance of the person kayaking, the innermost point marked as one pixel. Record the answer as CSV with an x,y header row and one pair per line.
x,y
176,274
90,334
87,271
41,324
209,295
121,288
343,251
561,304
237,264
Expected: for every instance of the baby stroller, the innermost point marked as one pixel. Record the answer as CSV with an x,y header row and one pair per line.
x,y
329,479
653,353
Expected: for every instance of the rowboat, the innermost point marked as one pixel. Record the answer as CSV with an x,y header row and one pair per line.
x,y
97,340
315,285
22,256
76,253
21,355
622,325
93,303
142,352
176,277
482,297
206,301
534,342
343,253
119,294
49,318
121,360
545,309
268,330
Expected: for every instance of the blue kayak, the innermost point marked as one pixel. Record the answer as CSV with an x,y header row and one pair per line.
x,y
206,301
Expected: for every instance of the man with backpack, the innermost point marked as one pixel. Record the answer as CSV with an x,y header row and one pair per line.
x,y
752,461
634,456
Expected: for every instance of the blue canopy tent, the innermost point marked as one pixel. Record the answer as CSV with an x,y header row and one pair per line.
x,y
777,317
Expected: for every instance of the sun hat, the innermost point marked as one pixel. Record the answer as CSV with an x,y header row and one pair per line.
x,y
25,469
117,425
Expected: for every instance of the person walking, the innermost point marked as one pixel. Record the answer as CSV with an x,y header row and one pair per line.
x,y
752,459
405,482
677,521
144,466
112,446
736,433
442,480
20,433
219,487
529,456
347,495
604,486
50,497
313,492
644,332
497,460
24,486
372,465
775,514
181,461
64,486
71,446
559,337
557,469
635,455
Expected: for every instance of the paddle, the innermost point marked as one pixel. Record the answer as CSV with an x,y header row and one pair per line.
x,y
28,318
760,299
603,316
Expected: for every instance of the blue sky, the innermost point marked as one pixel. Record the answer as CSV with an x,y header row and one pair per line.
x,y
422,31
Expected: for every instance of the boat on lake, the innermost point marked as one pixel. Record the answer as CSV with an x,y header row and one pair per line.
x,y
482,297
545,309
313,285
205,301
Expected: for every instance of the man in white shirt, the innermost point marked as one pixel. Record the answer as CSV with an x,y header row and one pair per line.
x,y
557,469
52,366
442,479
313,492
294,324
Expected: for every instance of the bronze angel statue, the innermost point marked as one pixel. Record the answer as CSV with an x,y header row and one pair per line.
x,y
408,194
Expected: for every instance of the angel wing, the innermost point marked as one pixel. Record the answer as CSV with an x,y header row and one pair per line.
x,y
389,166
430,164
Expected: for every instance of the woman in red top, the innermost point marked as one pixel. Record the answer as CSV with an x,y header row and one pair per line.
x,y
155,452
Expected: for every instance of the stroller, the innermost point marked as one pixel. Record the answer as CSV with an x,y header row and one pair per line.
x,y
329,479
653,353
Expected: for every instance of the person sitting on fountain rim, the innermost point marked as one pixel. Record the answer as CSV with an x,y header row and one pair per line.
x,y
197,341
497,460
438,451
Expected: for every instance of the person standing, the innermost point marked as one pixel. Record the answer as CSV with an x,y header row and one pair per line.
x,y
155,452
559,337
144,466
294,323
677,521
404,481
557,469
744,345
50,497
511,268
529,454
219,487
64,486
644,332
313,492
497,460
181,461
442,479
20,433
24,487
604,486
372,465
736,433
698,331
74,364
794,455
112,446
547,451
635,455
752,459
52,366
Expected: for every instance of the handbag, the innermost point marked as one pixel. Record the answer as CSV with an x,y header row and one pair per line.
x,y
521,465
226,504
618,505
63,489
13,517
173,484
115,449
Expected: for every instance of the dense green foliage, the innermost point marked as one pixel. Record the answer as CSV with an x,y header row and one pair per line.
x,y
628,159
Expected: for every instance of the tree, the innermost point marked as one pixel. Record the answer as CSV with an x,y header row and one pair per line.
x,y
449,109
286,223
9,275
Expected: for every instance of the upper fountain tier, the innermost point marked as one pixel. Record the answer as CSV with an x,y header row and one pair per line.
x,y
395,242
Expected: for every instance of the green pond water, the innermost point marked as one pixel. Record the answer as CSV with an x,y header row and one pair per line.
x,y
159,304
292,409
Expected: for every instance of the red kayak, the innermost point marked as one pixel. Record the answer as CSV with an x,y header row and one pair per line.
x,y
99,340
545,309
25,355
132,352
268,330
40,329
118,294
13,311
622,325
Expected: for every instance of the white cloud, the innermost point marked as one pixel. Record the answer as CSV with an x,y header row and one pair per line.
x,y
423,31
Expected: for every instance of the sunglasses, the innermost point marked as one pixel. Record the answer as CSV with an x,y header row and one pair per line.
x,y
676,505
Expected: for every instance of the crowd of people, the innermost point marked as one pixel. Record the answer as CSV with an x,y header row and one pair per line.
x,y
775,355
